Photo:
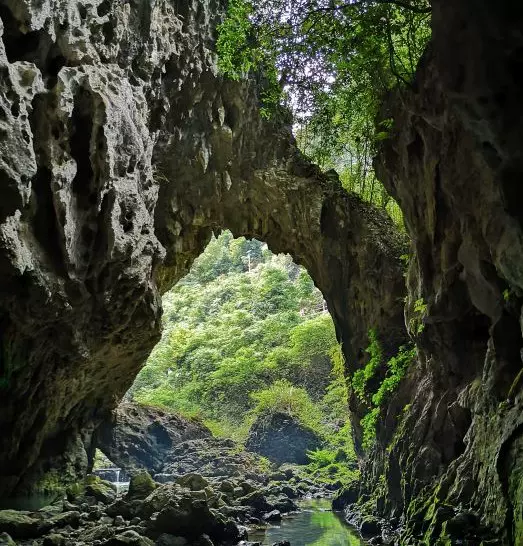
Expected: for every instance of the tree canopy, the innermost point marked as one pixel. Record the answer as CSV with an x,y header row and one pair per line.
x,y
331,62
246,333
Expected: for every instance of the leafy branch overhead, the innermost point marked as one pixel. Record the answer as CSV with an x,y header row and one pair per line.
x,y
331,63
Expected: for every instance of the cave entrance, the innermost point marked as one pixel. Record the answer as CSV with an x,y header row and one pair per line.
x,y
248,350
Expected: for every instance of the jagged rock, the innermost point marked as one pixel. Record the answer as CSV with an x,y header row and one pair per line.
x,y
93,95
452,436
213,458
282,439
141,437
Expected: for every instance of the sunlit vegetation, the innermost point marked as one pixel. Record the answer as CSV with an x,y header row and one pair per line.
x,y
396,370
247,333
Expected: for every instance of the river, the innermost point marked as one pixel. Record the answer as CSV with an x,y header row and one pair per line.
x,y
315,525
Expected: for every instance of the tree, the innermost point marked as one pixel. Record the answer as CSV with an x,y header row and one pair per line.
x,y
331,62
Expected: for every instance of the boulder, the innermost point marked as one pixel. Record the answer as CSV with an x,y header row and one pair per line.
x,y
274,515
141,486
101,490
282,439
18,524
128,538
141,437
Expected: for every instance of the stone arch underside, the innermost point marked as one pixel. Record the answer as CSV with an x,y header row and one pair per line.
x,y
122,149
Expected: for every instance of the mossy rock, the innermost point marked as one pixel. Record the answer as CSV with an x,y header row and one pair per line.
x,y
101,490
6,540
19,524
75,491
194,482
141,485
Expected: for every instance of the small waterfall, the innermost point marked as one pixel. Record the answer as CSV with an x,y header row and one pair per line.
x,y
118,477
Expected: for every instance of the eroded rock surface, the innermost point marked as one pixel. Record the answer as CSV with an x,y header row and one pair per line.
x,y
121,150
448,460
140,437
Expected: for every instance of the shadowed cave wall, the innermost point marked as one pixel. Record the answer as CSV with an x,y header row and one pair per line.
x,y
122,149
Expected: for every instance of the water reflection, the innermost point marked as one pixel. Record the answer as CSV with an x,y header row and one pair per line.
x,y
315,525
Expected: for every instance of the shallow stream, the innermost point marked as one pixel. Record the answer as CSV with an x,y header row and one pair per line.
x,y
315,525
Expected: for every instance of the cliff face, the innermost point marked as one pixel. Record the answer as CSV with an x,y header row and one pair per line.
x,y
454,162
121,150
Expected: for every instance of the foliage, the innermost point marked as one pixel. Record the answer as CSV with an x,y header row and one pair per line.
x,y
416,323
368,425
396,369
246,333
361,377
283,397
331,62
331,465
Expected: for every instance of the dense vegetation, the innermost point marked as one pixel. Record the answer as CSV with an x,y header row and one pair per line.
x,y
330,62
246,333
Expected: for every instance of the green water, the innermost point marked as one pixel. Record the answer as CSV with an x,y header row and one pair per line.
x,y
315,525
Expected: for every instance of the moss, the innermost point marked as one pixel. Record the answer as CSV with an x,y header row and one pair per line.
x,y
75,490
141,486
515,385
50,483
99,489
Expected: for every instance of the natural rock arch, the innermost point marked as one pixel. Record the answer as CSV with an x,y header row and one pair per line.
x,y
122,150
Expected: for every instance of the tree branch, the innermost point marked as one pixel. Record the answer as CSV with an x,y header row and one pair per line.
x,y
399,3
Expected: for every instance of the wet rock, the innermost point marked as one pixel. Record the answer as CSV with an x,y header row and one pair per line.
x,y
273,516
257,501
19,524
282,439
346,497
370,526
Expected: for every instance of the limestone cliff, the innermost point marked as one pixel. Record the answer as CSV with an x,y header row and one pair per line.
x,y
453,468
121,150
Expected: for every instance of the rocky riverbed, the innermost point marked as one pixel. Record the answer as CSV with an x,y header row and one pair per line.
x,y
191,510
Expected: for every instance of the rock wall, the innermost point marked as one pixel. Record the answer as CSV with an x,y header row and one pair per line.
x,y
452,468
121,150
139,437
